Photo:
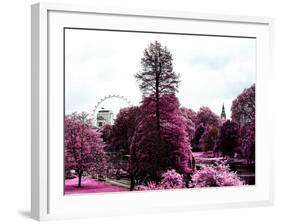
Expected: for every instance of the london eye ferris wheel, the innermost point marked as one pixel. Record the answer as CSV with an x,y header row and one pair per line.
x,y
108,107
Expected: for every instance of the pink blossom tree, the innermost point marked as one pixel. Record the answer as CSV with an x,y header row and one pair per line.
x,y
243,113
83,146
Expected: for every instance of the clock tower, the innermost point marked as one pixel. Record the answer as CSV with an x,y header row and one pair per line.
x,y
223,115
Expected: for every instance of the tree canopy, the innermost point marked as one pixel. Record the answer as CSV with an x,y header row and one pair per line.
x,y
153,154
83,146
243,112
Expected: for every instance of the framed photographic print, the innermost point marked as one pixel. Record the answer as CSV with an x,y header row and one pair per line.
x,y
138,111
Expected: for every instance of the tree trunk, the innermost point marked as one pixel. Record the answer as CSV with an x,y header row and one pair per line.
x,y
157,104
132,186
187,180
79,178
193,163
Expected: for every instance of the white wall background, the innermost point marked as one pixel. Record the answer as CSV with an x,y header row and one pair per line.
x,y
15,110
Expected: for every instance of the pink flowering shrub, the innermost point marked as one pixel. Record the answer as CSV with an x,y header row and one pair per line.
x,y
170,180
215,176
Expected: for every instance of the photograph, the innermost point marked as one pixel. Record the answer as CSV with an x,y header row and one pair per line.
x,y
150,111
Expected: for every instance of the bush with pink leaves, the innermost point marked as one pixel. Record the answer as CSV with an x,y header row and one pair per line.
x,y
217,175
170,180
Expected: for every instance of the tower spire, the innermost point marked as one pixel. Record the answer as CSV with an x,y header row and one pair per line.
x,y
223,115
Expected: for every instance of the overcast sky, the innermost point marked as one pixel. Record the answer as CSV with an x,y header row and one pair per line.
x,y
213,70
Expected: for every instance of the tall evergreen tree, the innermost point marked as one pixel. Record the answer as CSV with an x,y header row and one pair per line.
x,y
157,76
160,140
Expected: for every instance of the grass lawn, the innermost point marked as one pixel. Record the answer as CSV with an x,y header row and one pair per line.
x,y
90,185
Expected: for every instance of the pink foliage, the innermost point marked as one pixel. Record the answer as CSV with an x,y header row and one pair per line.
x,y
124,127
206,120
206,117
170,180
190,120
248,143
160,140
83,146
217,175
243,112
153,152
243,108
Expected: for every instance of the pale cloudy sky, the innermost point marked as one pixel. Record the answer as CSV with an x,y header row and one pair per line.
x,y
213,70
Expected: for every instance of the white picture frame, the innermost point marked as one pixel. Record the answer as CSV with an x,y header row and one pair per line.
x,y
47,199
